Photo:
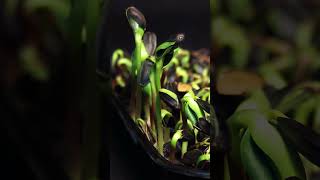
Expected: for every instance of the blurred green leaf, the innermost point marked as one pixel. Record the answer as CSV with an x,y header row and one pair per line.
x,y
304,139
255,162
228,34
282,25
303,111
256,101
59,8
32,64
241,9
292,99
272,76
285,158
303,35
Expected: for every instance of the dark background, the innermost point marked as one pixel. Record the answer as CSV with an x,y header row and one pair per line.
x,y
41,121
167,17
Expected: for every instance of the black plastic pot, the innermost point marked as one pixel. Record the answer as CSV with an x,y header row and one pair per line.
x,y
141,140
132,157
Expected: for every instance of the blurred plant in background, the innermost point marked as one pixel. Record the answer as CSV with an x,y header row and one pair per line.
x,y
271,46
48,62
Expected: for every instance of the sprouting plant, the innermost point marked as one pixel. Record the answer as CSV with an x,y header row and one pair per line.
x,y
169,98
137,22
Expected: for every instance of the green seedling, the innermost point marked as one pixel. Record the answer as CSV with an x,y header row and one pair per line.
x,y
169,97
119,59
204,157
185,136
137,22
204,94
183,74
191,107
182,58
176,137
117,54
164,54
165,110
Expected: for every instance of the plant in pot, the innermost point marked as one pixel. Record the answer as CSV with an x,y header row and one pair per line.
x,y
167,92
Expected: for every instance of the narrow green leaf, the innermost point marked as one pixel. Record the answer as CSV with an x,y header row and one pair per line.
x,y
229,34
284,157
292,99
255,162
272,76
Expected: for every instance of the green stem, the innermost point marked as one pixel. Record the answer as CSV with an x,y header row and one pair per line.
x,y
135,102
157,111
159,125
138,102
147,112
166,134
184,148
158,75
139,42
136,58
